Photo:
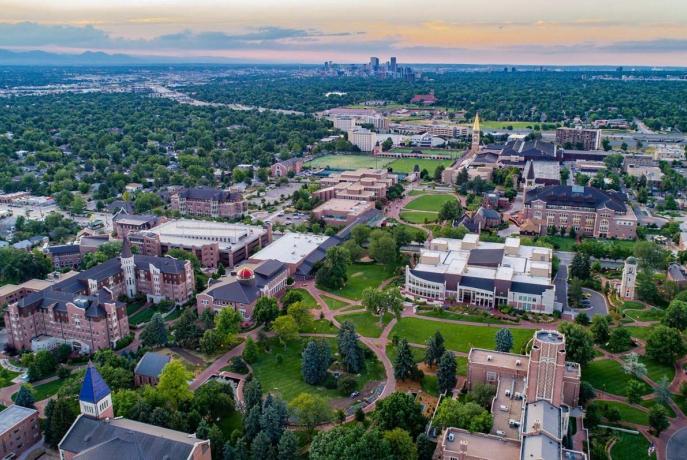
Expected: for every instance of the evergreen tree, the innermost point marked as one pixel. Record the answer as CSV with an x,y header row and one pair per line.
x,y
425,447
25,398
580,267
316,359
352,355
270,423
600,329
250,351
155,332
251,422
216,439
446,374
658,419
288,446
60,413
186,332
252,394
242,451
504,340
229,452
261,448
435,348
404,365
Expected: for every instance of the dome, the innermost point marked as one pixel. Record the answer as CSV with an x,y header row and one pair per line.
x,y
245,273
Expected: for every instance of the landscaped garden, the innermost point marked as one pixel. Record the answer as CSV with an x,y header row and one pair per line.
x,y
425,208
458,316
308,300
459,337
6,377
334,304
361,276
365,323
628,445
627,413
608,375
656,370
142,316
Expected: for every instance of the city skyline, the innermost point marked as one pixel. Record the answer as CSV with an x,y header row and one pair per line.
x,y
308,31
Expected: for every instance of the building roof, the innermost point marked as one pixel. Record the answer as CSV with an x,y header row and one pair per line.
x,y
209,194
135,219
479,445
540,446
676,272
291,248
93,388
578,196
235,290
486,257
543,416
10,417
195,233
120,439
305,268
151,364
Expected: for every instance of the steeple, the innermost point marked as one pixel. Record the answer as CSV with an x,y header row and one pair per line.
x,y
475,126
128,268
126,248
95,399
476,132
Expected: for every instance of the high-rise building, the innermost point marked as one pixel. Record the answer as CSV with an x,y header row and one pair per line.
x,y
627,285
580,139
392,64
374,63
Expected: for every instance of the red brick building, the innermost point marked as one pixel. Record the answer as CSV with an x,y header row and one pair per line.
x,y
208,202
282,168
127,223
19,430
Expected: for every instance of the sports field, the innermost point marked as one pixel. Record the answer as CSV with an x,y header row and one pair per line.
x,y
425,208
406,165
349,162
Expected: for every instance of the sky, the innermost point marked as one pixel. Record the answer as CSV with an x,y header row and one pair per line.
x,y
541,32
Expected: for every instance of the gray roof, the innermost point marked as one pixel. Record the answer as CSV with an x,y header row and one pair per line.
x,y
135,219
63,249
546,414
14,414
121,439
209,194
246,292
529,288
486,257
305,268
429,276
485,284
151,364
540,446
578,196
676,272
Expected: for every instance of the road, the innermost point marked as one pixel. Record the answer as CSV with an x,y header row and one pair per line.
x,y
677,445
561,283
599,307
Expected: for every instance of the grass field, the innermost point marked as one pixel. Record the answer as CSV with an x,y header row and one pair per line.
x,y
445,314
365,323
284,378
634,446
627,413
419,217
642,333
361,276
308,300
608,375
321,326
458,337
650,314
431,202
6,377
407,165
334,304
649,403
349,162
656,370
141,317
46,390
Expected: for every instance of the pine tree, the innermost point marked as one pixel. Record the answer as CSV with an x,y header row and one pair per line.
x,y
261,448
60,413
251,422
252,394
580,267
25,398
155,332
404,365
435,348
270,423
352,355
504,340
288,446
446,374
316,358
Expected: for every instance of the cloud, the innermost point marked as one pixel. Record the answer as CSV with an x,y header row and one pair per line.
x,y
664,45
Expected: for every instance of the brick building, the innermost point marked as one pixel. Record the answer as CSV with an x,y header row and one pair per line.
x,y
590,211
83,310
208,202
577,138
64,256
361,184
341,212
127,223
283,168
149,368
19,430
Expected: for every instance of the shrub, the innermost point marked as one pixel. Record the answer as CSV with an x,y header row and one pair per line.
x,y
238,365
346,385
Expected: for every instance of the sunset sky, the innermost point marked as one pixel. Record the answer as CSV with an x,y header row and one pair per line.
x,y
617,32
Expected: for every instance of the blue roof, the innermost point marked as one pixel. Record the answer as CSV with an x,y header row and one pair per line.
x,y
93,388
151,364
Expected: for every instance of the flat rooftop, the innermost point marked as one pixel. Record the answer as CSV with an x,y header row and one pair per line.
x,y
507,407
479,446
353,207
190,232
13,415
291,248
498,359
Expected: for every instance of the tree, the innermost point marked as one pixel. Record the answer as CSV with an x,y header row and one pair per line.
x,y
185,330
425,447
504,340
354,249
600,329
676,315
634,390
582,319
665,345
316,359
575,292
286,329
404,365
352,356
250,351
382,248
450,211
400,410
580,267
173,384
145,201
301,315
632,365
482,394
579,343
620,340
310,410
435,349
227,323
261,448
266,310
288,446
658,419
252,394
360,234
446,374
332,273
60,413
387,144
469,416
155,332
292,296
349,443
379,302
651,255
401,444
25,397
663,394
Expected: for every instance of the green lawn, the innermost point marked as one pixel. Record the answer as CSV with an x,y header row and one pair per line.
x,y
656,370
46,390
642,333
284,379
419,217
321,326
6,377
627,413
649,403
631,446
365,323
142,316
447,314
340,161
231,422
650,314
333,303
629,305
609,376
430,384
308,300
133,306
407,165
428,151
432,202
458,337
361,276
418,353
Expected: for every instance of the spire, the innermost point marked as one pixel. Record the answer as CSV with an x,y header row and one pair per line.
x,y
475,126
93,388
126,248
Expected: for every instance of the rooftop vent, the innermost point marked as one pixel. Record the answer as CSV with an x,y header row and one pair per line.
x,y
518,362
489,357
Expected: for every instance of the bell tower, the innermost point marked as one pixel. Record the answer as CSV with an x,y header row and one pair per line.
x,y
476,134
95,397
129,268
627,285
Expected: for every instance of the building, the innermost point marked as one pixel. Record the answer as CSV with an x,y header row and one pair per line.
x,y
580,139
97,435
341,212
476,134
483,274
361,184
678,275
424,99
362,138
588,210
541,173
213,243
126,223
531,408
283,168
149,368
208,202
133,187
629,279
83,311
652,174
291,249
64,256
241,289
19,430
